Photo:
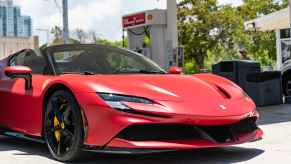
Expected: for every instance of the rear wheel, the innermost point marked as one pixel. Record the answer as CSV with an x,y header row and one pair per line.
x,y
63,130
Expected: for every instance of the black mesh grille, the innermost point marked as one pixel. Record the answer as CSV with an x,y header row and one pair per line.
x,y
230,132
159,132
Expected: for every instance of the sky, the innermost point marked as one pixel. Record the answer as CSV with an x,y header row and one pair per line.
x,y
101,16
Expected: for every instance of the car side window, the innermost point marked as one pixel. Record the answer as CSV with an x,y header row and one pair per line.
x,y
30,59
18,59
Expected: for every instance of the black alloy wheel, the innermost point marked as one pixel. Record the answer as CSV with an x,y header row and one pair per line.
x,y
63,130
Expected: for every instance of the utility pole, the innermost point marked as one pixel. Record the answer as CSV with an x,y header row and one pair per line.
x,y
65,22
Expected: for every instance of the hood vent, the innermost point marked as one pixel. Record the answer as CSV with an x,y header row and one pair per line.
x,y
223,93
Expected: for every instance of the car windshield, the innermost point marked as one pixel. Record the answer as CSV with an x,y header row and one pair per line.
x,y
101,60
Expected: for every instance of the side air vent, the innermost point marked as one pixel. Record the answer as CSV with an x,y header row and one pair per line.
x,y
223,93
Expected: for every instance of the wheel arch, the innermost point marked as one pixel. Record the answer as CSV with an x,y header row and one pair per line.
x,y
49,92
52,89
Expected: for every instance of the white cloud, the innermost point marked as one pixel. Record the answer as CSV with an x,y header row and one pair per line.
x,y
102,16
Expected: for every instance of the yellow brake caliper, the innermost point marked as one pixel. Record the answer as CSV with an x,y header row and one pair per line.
x,y
58,126
57,131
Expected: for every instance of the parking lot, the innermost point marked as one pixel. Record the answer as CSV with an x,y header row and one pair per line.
x,y
274,148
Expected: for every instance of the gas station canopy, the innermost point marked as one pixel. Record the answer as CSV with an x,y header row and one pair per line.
x,y
279,22
270,22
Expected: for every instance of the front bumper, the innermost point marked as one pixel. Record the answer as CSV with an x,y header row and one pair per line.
x,y
120,146
104,126
183,144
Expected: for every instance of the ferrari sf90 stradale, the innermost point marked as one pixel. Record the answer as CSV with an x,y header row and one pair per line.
x,y
79,98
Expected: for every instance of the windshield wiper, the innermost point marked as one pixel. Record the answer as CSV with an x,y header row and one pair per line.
x,y
82,73
88,73
151,72
138,71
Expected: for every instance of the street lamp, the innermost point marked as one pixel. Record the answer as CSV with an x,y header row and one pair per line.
x,y
47,31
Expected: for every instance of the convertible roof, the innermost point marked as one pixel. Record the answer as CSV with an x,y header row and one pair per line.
x,y
79,45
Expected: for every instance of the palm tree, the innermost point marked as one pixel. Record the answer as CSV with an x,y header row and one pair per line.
x,y
57,32
81,35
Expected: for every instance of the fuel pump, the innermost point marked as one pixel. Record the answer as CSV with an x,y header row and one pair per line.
x,y
154,34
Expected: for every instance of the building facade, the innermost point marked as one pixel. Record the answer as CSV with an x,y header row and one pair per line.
x,y
15,30
10,45
12,23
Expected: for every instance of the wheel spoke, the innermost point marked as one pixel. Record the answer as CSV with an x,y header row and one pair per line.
x,y
66,116
68,140
67,133
56,105
59,148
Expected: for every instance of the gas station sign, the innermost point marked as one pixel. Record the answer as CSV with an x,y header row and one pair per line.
x,y
134,20
147,18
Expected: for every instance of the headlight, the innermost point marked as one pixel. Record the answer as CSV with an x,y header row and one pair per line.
x,y
115,101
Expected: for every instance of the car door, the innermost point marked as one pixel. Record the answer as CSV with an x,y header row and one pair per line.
x,y
20,108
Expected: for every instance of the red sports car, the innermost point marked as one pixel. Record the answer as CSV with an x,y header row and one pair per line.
x,y
79,98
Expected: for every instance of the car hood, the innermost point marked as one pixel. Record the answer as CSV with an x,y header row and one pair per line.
x,y
201,95
163,87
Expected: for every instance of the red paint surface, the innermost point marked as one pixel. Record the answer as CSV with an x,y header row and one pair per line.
x,y
193,100
17,70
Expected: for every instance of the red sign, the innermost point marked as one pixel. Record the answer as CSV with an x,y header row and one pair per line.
x,y
134,20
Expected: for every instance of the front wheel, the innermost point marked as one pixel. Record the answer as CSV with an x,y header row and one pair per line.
x,y
63,130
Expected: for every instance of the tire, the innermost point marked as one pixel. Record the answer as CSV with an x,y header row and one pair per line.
x,y
63,127
286,86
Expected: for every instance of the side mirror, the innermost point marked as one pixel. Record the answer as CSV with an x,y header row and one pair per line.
x,y
23,72
175,70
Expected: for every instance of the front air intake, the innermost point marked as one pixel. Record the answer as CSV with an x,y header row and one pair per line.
x,y
172,132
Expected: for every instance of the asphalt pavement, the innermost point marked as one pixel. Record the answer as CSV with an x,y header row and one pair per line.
x,y
275,148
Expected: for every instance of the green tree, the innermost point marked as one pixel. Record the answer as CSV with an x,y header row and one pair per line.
x,y
207,28
260,45
195,25
112,43
57,32
58,37
210,32
252,9
81,35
